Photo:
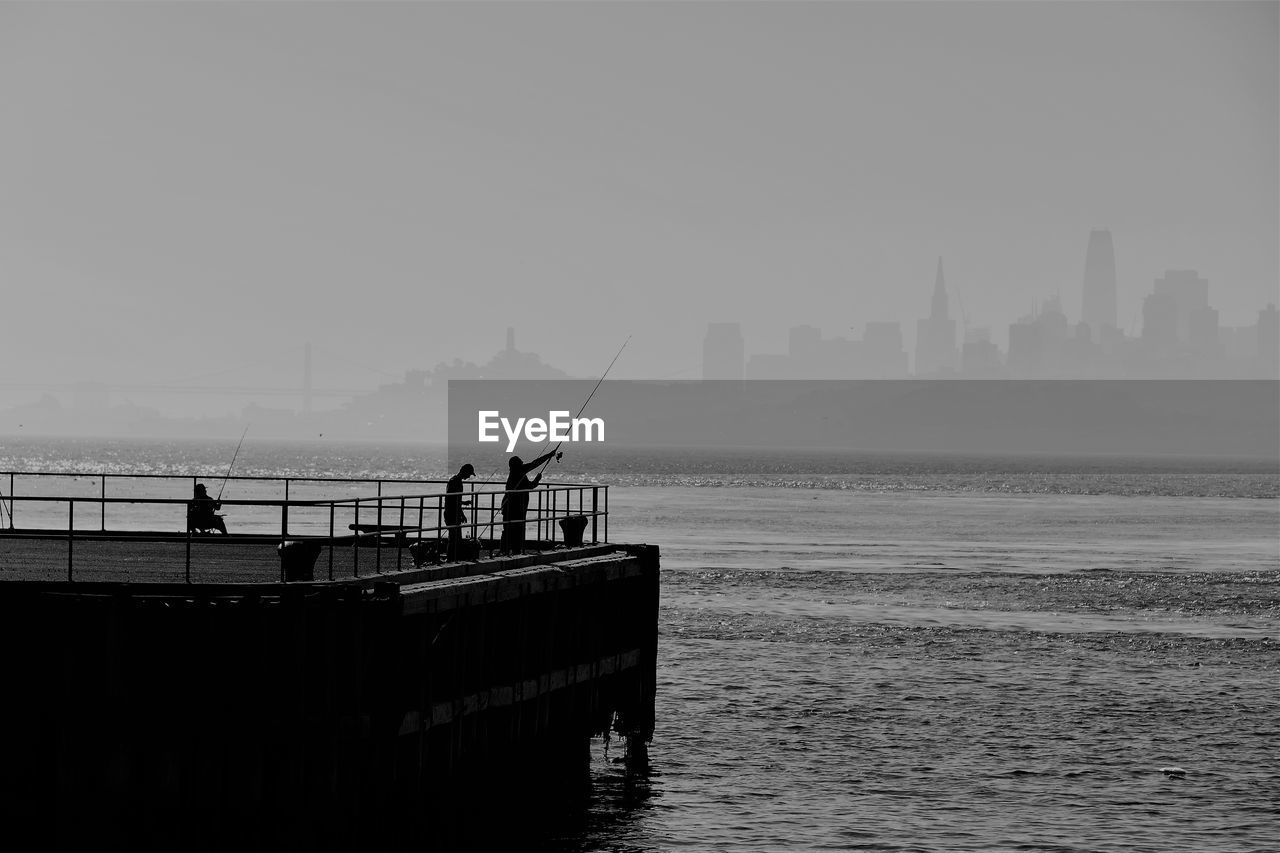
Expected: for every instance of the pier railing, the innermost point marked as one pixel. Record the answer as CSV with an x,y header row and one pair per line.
x,y
322,522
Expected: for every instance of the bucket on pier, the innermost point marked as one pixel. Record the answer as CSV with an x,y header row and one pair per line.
x,y
573,527
298,559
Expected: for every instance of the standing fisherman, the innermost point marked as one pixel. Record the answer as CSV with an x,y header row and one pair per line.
x,y
514,506
516,502
454,517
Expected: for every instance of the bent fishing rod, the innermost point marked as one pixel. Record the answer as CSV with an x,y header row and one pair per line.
x,y
232,465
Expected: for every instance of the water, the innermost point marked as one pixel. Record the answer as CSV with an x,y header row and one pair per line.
x,y
915,652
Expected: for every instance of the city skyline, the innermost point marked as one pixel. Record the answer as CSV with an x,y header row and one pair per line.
x,y
1099,278
1180,337
194,187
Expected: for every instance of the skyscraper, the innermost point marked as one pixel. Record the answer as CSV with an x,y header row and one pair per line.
x,y
1195,323
1098,297
936,350
1269,341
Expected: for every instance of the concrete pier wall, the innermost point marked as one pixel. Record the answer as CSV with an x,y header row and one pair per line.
x,y
350,715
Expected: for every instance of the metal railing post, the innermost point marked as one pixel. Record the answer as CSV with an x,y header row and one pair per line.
x,y
475,510
284,537
104,503
399,534
377,537
331,542
284,531
71,527
595,497
355,551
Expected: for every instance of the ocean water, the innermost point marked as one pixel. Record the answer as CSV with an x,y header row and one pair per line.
x,y
912,652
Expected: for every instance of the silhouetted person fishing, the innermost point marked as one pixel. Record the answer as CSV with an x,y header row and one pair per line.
x,y
454,517
201,512
516,502
201,509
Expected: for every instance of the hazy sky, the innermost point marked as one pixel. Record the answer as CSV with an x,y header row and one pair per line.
x,y
195,190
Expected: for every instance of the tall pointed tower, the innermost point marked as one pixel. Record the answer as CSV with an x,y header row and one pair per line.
x,y
1098,297
936,351
939,310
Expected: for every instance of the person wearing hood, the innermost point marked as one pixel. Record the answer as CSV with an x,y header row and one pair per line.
x,y
516,502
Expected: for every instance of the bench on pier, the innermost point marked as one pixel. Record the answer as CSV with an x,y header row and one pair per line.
x,y
382,534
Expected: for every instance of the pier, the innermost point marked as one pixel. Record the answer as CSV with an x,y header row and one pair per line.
x,y
384,708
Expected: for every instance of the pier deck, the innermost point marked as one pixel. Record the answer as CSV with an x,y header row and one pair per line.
x,y
168,691
217,559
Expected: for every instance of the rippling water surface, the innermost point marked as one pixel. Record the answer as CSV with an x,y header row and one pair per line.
x,y
940,712
917,653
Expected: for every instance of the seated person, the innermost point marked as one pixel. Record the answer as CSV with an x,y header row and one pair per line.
x,y
200,512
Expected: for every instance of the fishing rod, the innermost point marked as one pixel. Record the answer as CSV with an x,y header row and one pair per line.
x,y
232,465
588,400
583,408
